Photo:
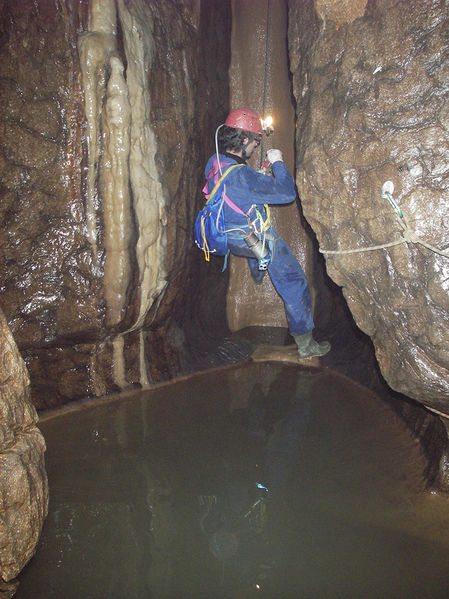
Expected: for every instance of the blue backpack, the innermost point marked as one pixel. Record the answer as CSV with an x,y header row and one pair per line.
x,y
209,229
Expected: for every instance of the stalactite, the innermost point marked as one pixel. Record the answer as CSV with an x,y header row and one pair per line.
x,y
121,155
146,187
118,364
115,174
94,47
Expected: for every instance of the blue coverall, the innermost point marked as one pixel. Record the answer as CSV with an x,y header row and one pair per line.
x,y
245,187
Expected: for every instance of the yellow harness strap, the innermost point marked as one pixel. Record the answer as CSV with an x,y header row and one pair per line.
x,y
220,180
203,237
264,224
212,193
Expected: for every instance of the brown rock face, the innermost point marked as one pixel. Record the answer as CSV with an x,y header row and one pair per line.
x,y
23,480
104,105
259,78
108,109
372,103
48,292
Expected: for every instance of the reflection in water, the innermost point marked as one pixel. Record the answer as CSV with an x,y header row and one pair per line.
x,y
264,480
270,430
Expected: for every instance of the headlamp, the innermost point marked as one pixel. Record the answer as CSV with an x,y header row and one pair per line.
x,y
267,123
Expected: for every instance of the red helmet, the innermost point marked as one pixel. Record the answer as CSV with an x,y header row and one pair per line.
x,y
246,119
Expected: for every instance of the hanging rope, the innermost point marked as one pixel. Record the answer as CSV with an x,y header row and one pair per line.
x,y
265,81
408,235
267,59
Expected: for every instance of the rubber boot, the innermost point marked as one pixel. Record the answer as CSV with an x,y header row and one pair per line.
x,y
308,347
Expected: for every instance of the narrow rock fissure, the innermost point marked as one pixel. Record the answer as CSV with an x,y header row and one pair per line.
x,y
109,113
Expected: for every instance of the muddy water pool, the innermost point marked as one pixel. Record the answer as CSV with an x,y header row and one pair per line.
x,y
262,480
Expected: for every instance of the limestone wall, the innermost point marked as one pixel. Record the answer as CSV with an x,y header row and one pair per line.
x,y
104,105
108,114
23,480
259,79
372,90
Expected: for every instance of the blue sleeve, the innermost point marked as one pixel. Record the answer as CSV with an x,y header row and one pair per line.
x,y
262,189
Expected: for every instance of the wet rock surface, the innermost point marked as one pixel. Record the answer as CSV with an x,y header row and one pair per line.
x,y
100,281
23,480
259,78
107,114
372,93
48,293
104,105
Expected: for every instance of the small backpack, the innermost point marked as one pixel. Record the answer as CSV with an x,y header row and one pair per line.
x,y
209,229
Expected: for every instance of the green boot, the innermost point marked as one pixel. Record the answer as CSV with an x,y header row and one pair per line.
x,y
308,347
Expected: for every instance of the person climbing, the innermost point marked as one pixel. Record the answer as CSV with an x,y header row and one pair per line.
x,y
247,194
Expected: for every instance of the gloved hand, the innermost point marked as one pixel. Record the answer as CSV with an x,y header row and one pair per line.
x,y
274,156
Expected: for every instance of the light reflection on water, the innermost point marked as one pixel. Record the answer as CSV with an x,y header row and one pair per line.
x,y
156,496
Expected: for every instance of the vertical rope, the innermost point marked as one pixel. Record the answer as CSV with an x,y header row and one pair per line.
x,y
267,57
265,82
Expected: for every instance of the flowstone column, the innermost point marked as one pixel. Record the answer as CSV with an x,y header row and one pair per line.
x,y
259,79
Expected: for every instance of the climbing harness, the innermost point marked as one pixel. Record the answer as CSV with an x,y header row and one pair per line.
x,y
408,235
209,232
209,229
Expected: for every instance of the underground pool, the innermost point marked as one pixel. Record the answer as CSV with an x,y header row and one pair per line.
x,y
257,480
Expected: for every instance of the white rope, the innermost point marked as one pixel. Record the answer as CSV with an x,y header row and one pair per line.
x,y
436,411
408,236
368,249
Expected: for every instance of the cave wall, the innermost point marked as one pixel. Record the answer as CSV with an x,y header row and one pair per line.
x,y
372,88
259,79
109,110
23,480
104,108
108,114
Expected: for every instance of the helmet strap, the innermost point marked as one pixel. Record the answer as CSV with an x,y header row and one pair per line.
x,y
251,137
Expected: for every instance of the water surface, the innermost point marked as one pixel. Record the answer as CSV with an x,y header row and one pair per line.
x,y
256,481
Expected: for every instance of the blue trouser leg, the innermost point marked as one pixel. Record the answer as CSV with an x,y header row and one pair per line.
x,y
290,282
288,279
256,274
